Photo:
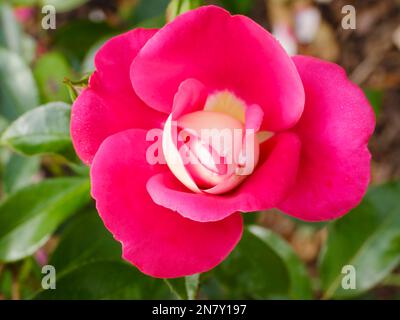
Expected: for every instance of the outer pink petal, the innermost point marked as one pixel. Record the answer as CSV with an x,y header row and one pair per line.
x,y
158,241
264,189
335,162
110,104
222,52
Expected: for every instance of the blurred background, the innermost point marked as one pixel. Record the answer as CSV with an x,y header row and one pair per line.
x,y
47,217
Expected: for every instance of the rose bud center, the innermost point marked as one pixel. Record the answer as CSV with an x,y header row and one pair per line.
x,y
215,151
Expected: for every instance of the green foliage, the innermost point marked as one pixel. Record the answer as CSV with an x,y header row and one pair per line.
x,y
42,130
253,271
18,90
185,288
50,71
29,216
10,31
105,280
85,241
262,266
19,172
368,238
89,266
300,285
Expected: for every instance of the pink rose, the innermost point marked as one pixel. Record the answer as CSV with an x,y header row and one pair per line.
x,y
308,127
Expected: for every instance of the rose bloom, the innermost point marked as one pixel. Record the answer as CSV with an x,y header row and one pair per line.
x,y
306,124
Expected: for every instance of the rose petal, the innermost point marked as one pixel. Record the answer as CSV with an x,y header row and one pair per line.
x,y
158,241
222,52
337,122
254,117
110,104
262,190
191,97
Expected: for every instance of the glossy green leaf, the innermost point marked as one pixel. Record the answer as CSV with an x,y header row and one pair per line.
x,y
29,47
10,31
300,285
19,172
11,35
88,265
368,238
177,287
18,91
106,280
185,288
192,286
29,216
252,271
85,240
50,71
42,130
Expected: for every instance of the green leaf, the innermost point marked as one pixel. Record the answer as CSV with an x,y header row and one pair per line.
x,y
19,172
63,5
29,216
105,280
50,71
6,282
29,46
42,130
300,285
184,288
192,286
85,240
177,7
368,238
177,287
18,91
10,31
89,266
252,271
